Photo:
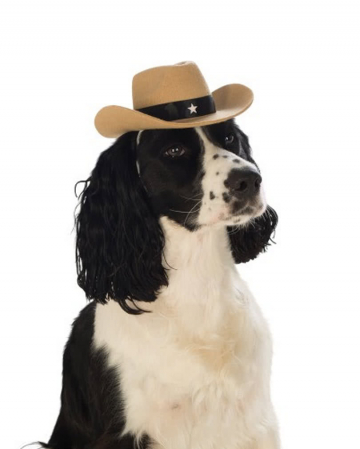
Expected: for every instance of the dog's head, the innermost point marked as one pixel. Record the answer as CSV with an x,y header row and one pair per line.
x,y
197,177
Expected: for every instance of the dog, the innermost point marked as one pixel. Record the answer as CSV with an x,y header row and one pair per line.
x,y
172,351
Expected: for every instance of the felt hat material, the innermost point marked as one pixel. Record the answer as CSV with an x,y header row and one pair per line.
x,y
173,96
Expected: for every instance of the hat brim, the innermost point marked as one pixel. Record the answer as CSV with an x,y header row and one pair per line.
x,y
230,100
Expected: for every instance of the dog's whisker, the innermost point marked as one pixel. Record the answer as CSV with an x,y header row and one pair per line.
x,y
192,211
179,211
195,198
235,229
187,212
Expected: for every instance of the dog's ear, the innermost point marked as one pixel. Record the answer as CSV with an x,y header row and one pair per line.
x,y
248,241
119,241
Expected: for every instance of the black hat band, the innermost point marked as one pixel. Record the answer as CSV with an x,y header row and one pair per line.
x,y
192,108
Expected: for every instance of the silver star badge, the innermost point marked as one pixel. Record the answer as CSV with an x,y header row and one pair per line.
x,y
192,109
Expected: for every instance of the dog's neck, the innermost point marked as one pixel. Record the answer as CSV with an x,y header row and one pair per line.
x,y
205,249
200,266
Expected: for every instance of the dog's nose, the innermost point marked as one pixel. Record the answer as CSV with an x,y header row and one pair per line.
x,y
243,182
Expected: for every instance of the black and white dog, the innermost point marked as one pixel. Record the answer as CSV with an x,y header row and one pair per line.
x,y
173,351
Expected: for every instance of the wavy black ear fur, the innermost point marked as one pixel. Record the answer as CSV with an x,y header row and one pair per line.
x,y
249,241
119,241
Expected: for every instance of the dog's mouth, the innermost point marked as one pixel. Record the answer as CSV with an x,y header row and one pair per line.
x,y
241,212
236,212
247,207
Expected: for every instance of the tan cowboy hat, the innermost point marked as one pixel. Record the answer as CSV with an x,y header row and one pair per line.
x,y
173,96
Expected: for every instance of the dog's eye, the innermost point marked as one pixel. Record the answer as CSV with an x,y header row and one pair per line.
x,y
175,151
229,139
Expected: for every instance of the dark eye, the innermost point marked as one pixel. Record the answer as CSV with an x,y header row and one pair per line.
x,y
175,151
229,139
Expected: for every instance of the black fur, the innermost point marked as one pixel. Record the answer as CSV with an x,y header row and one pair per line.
x,y
173,184
118,237
91,415
248,241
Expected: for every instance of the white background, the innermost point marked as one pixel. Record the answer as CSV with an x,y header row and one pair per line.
x,y
61,61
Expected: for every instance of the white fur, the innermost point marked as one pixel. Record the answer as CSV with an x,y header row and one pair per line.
x,y
194,372
216,211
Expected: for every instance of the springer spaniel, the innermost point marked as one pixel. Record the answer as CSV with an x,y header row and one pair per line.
x,y
173,351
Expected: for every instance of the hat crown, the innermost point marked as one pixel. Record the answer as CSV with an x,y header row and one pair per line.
x,y
166,84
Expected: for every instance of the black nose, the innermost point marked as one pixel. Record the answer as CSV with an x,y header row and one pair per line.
x,y
243,182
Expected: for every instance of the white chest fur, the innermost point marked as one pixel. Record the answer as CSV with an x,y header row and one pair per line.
x,y
195,372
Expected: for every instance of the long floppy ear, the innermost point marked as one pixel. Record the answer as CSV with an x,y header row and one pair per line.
x,y
249,241
119,241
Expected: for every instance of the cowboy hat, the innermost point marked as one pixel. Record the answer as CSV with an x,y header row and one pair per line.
x,y
173,96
